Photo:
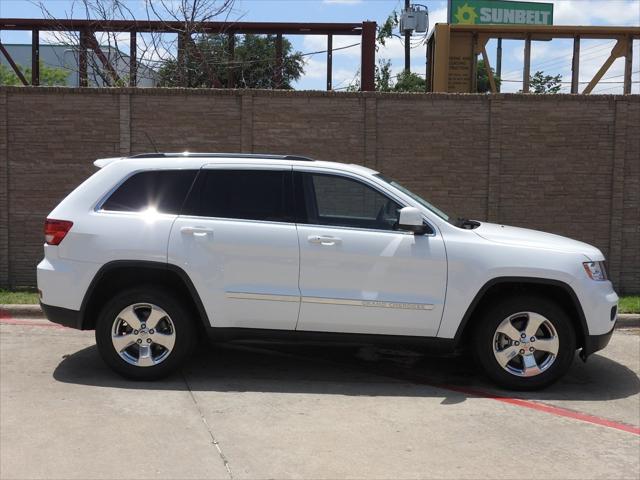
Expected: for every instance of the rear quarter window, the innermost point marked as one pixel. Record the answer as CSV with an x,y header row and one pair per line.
x,y
162,190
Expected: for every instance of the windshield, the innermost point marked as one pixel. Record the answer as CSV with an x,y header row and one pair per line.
x,y
417,198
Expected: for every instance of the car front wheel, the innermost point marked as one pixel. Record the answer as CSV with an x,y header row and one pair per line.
x,y
525,343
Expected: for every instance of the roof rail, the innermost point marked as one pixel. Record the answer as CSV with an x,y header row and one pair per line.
x,y
223,155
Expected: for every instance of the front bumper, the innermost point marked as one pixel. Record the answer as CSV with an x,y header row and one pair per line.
x,y
62,316
597,300
593,343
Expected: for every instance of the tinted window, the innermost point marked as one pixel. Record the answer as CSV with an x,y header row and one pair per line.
x,y
340,201
243,194
163,190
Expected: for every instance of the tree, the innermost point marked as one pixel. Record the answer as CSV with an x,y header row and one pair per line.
x,y
153,48
8,76
253,65
410,82
541,83
49,76
385,31
382,75
482,78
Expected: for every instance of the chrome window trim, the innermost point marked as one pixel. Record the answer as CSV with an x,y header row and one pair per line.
x,y
247,220
360,229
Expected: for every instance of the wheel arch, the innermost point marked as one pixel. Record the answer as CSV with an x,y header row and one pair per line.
x,y
121,274
559,291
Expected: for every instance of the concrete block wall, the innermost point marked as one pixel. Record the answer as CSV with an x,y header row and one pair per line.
x,y
560,163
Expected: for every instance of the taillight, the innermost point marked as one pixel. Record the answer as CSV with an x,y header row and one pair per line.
x,y
56,230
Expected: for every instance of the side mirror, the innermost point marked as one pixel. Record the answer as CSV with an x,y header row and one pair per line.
x,y
410,219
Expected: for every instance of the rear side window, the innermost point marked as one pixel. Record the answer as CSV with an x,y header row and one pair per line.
x,y
163,190
243,194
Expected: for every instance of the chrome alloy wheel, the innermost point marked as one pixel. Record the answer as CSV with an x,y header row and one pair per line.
x,y
526,344
143,334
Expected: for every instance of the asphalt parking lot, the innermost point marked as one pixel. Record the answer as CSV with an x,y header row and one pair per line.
x,y
308,412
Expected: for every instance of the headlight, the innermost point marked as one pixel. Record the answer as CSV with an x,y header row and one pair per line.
x,y
595,270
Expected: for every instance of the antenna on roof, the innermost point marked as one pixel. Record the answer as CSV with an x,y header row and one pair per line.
x,y
151,141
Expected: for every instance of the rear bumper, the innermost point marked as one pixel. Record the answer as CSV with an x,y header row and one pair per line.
x,y
62,316
593,343
63,282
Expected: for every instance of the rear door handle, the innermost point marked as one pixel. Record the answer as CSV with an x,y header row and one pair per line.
x,y
324,240
196,231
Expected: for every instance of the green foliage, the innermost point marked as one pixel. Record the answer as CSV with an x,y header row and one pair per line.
x,y
541,83
22,297
8,76
410,82
383,75
482,77
383,78
385,31
123,81
49,76
253,66
629,304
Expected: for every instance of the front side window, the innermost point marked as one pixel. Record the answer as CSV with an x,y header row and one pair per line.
x,y
160,190
242,194
415,196
341,201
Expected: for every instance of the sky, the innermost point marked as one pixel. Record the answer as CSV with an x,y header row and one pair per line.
x,y
552,57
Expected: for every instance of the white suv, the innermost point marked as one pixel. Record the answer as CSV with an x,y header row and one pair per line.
x,y
155,250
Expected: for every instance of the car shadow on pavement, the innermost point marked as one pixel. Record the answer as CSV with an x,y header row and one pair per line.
x,y
342,370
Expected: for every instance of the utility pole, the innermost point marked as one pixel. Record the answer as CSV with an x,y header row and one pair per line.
x,y
407,42
498,61
329,62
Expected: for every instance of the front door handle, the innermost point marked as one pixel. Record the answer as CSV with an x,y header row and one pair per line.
x,y
324,240
196,231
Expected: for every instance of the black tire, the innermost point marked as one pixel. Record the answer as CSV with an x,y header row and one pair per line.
x,y
493,316
183,327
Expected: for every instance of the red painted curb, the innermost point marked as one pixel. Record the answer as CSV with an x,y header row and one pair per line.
x,y
543,407
8,320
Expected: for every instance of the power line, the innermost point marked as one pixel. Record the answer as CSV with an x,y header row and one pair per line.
x,y
238,63
333,50
621,75
606,89
568,83
567,57
593,49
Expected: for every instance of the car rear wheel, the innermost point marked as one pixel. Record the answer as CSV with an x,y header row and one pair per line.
x,y
525,343
144,333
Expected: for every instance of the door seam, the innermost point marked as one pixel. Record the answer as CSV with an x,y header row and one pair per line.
x,y
299,270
